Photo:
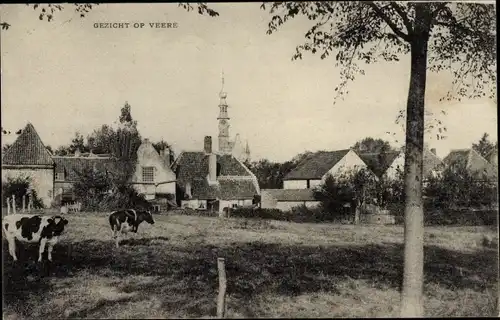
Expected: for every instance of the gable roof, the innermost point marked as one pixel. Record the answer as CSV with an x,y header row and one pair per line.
x,y
379,162
28,149
430,161
73,165
472,160
316,165
291,194
492,157
234,180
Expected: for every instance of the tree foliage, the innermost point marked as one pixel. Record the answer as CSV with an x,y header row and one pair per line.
x,y
19,187
484,146
456,187
371,145
462,38
162,145
104,191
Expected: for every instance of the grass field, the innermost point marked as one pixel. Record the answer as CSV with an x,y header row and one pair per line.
x,y
274,269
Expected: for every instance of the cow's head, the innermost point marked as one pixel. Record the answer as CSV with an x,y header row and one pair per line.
x,y
147,216
57,224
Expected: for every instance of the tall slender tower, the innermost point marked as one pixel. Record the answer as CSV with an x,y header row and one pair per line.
x,y
224,141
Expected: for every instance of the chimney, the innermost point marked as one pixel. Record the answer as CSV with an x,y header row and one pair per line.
x,y
212,167
188,190
208,144
433,150
212,160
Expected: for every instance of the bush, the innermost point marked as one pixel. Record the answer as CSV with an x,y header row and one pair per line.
x,y
299,214
19,187
458,188
97,191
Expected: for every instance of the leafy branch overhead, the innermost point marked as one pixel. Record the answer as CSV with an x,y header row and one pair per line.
x,y
47,11
462,38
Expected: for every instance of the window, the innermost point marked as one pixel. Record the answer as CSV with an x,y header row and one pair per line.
x,y
60,176
148,174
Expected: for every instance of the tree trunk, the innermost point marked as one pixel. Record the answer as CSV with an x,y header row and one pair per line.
x,y
412,292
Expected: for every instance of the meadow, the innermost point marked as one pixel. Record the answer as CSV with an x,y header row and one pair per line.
x,y
274,269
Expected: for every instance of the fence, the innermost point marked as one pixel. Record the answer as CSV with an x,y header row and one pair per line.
x,y
26,207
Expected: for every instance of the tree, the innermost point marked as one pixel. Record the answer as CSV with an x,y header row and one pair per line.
x,y
78,143
459,37
161,145
49,149
356,188
484,146
371,145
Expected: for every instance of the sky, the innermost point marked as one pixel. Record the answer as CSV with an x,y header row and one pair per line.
x,y
66,76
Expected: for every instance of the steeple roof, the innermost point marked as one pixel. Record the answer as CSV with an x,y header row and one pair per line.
x,y
28,149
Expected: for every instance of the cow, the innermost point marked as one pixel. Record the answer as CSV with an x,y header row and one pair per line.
x,y
29,228
123,221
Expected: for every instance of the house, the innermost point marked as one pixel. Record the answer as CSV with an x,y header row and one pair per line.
x,y
432,164
492,158
473,162
152,176
212,181
28,157
312,171
54,176
286,199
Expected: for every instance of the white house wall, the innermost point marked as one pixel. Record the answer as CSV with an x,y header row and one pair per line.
x,y
351,161
295,184
148,157
314,183
42,181
397,164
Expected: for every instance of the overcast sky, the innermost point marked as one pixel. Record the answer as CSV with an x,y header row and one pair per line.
x,y
67,76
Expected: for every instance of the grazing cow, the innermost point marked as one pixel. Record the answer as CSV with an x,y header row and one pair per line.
x,y
123,221
31,228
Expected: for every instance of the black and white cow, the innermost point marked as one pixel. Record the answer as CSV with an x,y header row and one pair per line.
x,y
28,228
123,221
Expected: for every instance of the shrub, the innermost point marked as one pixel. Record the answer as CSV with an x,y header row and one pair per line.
x,y
458,188
98,191
18,187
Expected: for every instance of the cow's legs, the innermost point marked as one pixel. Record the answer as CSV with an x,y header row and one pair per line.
x,y
12,248
49,250
116,235
43,242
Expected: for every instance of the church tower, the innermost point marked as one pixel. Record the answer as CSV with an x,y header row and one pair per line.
x,y
224,141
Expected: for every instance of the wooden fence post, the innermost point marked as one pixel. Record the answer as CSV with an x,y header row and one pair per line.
x,y
8,205
30,202
24,203
221,300
14,203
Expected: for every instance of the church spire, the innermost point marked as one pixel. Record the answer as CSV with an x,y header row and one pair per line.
x,y
224,142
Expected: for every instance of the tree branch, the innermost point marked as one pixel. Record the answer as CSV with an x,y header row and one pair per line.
x,y
391,24
403,16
